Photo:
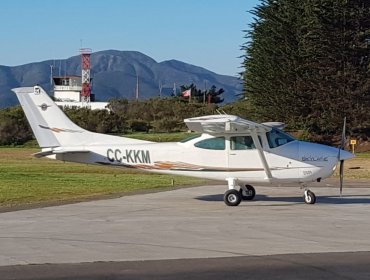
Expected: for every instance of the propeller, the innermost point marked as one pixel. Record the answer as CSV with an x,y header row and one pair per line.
x,y
341,147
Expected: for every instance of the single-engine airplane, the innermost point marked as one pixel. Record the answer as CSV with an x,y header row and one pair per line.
x,y
229,148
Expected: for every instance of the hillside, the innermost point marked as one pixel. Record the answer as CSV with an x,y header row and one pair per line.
x,y
114,76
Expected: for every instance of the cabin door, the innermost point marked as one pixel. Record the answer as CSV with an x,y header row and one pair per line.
x,y
243,154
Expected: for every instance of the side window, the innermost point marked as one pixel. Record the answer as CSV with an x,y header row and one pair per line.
x,y
217,143
241,143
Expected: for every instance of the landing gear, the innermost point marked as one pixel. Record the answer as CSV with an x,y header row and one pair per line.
x,y
247,192
309,197
237,193
232,198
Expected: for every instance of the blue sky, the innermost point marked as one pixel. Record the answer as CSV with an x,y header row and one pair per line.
x,y
206,33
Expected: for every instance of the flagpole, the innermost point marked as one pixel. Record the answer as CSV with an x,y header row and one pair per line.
x,y
137,87
204,94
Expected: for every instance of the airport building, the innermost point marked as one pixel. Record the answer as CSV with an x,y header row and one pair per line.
x,y
67,93
75,91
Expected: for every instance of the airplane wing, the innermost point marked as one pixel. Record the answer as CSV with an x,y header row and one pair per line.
x,y
217,124
278,125
48,152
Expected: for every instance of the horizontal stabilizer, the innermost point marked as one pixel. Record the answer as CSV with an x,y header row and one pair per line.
x,y
58,151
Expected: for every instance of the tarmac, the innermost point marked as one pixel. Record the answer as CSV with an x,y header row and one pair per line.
x,y
192,226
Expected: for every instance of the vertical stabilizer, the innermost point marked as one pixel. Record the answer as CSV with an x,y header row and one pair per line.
x,y
50,125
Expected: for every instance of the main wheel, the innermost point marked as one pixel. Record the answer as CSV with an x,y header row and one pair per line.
x,y
232,198
247,192
309,197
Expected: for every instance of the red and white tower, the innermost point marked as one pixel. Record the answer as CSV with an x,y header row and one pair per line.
x,y
85,68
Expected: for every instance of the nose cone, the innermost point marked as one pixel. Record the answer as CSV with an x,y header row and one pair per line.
x,y
344,155
312,152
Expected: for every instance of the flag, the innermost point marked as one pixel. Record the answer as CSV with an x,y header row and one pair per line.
x,y
186,93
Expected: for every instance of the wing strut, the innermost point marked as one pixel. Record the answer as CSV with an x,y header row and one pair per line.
x,y
261,154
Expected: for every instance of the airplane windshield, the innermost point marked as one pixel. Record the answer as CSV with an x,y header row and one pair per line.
x,y
277,138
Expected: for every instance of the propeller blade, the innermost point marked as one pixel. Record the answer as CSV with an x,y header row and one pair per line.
x,y
341,169
343,139
341,147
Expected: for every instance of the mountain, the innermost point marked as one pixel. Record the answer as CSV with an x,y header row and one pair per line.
x,y
114,75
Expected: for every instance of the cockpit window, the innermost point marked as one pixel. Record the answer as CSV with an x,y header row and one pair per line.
x,y
241,143
277,138
217,143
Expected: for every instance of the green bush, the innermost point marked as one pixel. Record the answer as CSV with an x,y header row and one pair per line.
x,y
14,128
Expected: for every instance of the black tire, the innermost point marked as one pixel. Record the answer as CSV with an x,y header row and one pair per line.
x,y
249,194
232,198
310,199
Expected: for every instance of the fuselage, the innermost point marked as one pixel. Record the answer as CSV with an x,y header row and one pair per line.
x,y
222,157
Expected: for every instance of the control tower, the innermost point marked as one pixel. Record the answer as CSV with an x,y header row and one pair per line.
x,y
75,91
85,70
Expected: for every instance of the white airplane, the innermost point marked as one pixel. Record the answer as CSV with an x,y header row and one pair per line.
x,y
229,148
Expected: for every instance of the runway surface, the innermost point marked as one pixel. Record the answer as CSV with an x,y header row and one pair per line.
x,y
185,227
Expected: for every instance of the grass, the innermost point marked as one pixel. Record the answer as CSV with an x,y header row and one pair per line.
x,y
356,168
363,155
28,180
161,137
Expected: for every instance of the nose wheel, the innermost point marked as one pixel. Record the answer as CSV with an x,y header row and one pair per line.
x,y
309,197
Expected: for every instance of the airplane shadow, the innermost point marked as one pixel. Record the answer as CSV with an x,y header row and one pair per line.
x,y
345,199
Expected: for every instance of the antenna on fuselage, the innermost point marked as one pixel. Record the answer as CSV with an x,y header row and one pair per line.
x,y
221,112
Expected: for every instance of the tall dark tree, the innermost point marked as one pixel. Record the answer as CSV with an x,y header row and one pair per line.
x,y
307,63
14,128
213,95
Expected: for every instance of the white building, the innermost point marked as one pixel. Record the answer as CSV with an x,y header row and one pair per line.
x,y
67,93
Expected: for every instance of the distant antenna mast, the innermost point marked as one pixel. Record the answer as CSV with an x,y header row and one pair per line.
x,y
160,85
51,75
137,87
85,69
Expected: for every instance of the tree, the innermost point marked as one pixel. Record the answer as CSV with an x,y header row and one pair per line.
x,y
211,96
158,114
14,128
307,63
101,121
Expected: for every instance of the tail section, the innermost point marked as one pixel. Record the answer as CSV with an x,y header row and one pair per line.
x,y
46,119
52,128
